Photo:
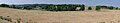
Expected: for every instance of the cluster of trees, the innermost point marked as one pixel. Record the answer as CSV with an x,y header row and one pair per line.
x,y
21,7
57,7
4,5
107,7
98,8
64,7
82,7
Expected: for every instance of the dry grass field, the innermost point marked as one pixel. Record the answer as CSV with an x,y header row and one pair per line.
x,y
35,16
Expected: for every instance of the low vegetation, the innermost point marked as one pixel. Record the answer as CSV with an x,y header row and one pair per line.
x,y
6,18
9,19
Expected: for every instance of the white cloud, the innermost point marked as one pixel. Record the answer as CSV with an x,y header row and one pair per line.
x,y
3,3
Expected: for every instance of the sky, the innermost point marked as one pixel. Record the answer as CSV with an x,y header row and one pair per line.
x,y
86,2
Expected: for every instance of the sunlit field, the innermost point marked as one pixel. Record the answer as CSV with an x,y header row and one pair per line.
x,y
37,16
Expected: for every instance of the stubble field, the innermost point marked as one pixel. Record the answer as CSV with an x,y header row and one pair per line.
x,y
35,16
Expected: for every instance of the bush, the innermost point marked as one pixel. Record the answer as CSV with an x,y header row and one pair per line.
x,y
116,8
98,8
7,18
27,8
111,7
89,8
82,7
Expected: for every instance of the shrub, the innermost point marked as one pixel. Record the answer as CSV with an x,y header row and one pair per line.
x,y
89,8
116,8
82,7
111,7
19,20
98,8
6,18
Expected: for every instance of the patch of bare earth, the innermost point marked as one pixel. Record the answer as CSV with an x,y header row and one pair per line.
x,y
34,16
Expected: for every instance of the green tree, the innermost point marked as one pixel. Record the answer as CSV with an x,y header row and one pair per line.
x,y
98,8
4,5
82,7
116,8
111,7
89,8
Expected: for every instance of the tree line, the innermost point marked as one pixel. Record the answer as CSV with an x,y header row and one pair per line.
x,y
58,7
4,5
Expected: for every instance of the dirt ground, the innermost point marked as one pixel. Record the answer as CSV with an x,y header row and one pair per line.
x,y
35,16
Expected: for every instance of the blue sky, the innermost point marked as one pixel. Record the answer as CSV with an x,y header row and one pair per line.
x,y
86,2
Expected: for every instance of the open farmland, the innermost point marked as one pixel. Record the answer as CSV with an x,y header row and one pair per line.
x,y
35,16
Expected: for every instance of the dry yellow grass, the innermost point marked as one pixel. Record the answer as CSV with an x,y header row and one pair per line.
x,y
62,17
